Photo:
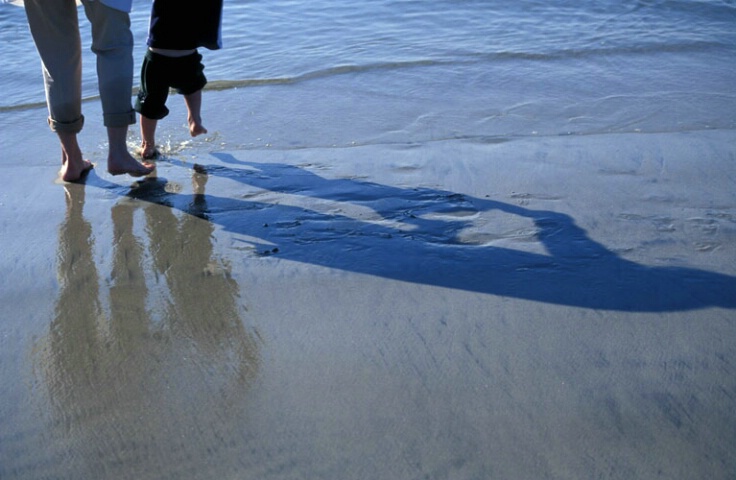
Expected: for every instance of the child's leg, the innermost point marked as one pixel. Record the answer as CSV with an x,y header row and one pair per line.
x,y
148,135
190,82
194,109
151,100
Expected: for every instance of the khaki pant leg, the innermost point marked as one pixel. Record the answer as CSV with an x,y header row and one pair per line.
x,y
112,43
54,26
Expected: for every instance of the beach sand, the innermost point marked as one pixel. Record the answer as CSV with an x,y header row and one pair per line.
x,y
331,294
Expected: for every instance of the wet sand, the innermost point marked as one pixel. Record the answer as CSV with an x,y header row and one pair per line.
x,y
334,302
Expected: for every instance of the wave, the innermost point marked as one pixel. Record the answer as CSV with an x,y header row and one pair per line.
x,y
41,104
322,73
465,58
458,58
624,50
219,85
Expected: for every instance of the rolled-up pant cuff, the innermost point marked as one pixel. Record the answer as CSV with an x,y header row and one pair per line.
x,y
119,119
66,127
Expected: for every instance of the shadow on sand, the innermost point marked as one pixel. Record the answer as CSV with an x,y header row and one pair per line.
x,y
412,235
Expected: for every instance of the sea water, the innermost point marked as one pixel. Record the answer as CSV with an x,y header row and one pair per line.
x,y
515,67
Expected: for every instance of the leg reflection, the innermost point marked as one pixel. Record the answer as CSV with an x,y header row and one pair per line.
x,y
73,348
149,366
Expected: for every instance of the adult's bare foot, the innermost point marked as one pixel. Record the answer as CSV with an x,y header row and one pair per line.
x,y
122,164
119,160
75,171
73,165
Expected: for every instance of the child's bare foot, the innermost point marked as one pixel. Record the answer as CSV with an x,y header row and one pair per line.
x,y
121,164
196,127
194,109
148,151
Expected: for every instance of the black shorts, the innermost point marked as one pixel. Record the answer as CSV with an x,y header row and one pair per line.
x,y
160,73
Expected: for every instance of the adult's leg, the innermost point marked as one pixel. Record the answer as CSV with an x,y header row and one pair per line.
x,y
112,43
55,29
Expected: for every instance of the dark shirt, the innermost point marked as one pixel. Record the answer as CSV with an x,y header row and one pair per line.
x,y
184,25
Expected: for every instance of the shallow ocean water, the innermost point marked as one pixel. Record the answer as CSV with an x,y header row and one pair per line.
x,y
547,67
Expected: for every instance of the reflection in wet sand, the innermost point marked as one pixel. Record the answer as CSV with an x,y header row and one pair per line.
x,y
146,369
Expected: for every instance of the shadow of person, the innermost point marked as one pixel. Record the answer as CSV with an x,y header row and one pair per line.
x,y
416,237
146,370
